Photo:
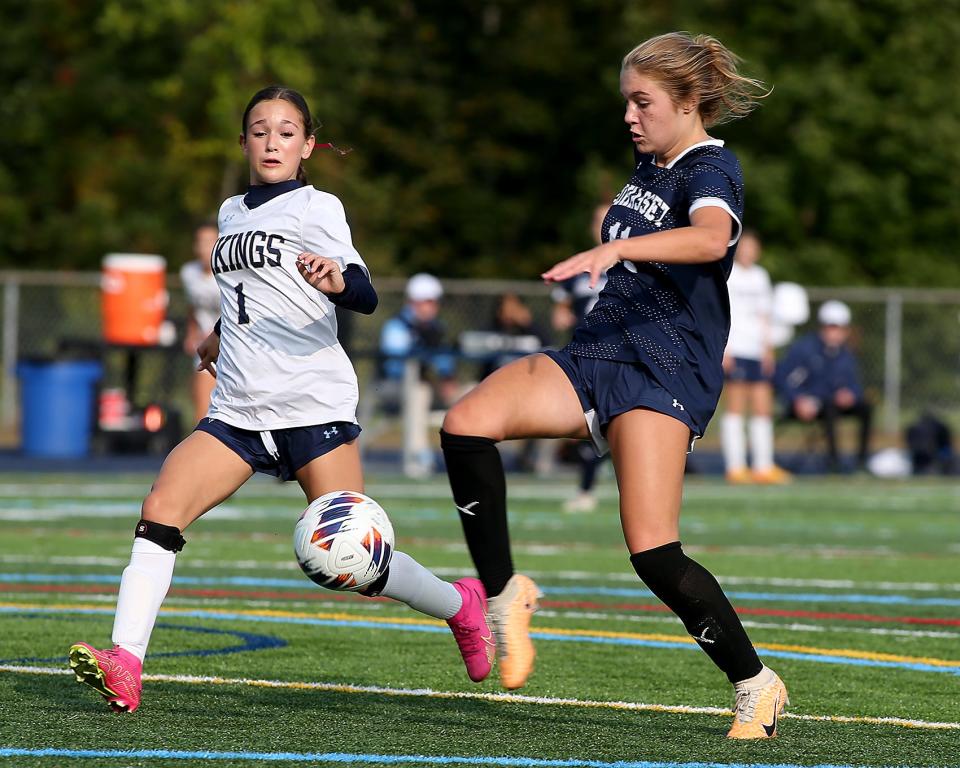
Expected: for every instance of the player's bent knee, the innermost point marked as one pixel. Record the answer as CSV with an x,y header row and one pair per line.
x,y
470,419
159,508
460,420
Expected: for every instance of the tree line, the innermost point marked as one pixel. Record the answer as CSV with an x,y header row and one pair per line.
x,y
481,134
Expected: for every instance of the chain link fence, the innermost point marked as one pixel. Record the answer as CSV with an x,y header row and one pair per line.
x,y
908,340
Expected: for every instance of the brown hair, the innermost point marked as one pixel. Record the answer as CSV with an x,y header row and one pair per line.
x,y
700,68
287,94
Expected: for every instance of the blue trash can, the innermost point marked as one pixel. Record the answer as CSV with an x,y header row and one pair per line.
x,y
58,400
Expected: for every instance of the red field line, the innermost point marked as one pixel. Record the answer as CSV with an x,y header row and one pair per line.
x,y
572,604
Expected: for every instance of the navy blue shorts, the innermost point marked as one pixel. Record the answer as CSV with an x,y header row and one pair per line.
x,y
607,388
281,452
746,370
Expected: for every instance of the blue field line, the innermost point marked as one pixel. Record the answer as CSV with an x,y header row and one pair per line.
x,y
572,638
787,597
632,592
367,759
251,642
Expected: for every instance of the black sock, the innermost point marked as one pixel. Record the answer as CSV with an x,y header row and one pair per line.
x,y
691,592
480,494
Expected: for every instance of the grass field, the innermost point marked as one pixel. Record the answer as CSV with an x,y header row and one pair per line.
x,y
851,590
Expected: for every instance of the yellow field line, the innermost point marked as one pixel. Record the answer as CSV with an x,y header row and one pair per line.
x,y
847,653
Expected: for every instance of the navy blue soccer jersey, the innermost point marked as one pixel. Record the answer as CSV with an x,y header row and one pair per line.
x,y
671,318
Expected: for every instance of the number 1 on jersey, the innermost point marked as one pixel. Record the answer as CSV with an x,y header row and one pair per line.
x,y
242,317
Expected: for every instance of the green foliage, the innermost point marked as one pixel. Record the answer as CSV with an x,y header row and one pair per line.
x,y
482,133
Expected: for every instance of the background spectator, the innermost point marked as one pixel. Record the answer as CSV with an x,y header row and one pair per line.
x,y
572,300
512,319
748,366
819,379
203,296
418,331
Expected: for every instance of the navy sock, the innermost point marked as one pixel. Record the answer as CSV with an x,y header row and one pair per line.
x,y
691,592
480,494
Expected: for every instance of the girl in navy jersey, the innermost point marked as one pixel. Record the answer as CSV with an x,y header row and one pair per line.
x,y
643,373
285,399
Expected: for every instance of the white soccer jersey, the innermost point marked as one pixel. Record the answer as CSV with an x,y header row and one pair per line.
x,y
203,293
751,302
280,362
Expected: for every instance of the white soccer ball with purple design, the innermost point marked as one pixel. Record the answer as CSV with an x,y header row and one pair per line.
x,y
344,541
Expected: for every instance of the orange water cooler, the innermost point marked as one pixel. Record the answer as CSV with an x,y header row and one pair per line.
x,y
133,298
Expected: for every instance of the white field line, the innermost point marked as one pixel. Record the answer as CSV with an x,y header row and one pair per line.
x,y
564,575
510,698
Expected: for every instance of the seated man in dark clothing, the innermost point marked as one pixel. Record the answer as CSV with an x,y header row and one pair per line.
x,y
818,379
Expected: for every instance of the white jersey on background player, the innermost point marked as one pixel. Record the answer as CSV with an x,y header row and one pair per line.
x,y
203,294
751,304
748,370
277,331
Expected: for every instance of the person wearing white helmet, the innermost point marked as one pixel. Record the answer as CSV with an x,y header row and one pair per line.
x,y
418,330
819,380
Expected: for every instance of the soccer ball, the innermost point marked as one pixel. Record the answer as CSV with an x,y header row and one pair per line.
x,y
343,541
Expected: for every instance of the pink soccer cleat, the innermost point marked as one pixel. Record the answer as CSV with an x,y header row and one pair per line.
x,y
114,674
470,629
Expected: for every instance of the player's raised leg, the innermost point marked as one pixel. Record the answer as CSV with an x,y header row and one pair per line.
x,y
461,604
531,397
179,496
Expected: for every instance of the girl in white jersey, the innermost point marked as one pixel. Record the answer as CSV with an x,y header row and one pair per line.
x,y
203,294
642,374
285,399
748,367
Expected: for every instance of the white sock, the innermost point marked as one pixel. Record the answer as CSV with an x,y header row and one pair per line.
x,y
143,587
762,678
411,583
761,442
733,442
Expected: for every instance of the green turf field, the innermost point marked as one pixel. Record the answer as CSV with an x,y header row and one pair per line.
x,y
850,588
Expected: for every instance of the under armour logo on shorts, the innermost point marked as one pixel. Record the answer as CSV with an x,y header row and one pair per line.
x,y
328,433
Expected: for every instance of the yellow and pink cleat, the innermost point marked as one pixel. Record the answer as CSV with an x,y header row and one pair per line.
x,y
114,674
759,703
471,631
510,613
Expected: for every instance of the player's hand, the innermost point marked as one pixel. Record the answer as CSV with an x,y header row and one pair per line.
x,y
806,407
322,273
844,398
209,352
596,261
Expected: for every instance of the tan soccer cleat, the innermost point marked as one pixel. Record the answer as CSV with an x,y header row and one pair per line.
x,y
772,476
740,476
757,707
510,613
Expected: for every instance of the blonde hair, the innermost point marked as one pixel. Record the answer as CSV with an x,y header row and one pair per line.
x,y
700,68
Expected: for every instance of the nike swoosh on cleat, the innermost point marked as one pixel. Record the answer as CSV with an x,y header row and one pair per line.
x,y
771,729
467,507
